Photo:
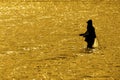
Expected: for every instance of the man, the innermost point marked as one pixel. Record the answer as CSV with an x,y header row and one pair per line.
x,y
89,35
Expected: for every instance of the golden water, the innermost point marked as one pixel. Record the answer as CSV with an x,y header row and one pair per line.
x,y
39,40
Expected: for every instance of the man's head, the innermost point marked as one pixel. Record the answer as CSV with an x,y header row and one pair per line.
x,y
89,22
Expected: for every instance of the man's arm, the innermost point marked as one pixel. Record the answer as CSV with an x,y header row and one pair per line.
x,y
81,34
84,34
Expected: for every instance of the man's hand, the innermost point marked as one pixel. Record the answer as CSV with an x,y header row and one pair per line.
x,y
81,34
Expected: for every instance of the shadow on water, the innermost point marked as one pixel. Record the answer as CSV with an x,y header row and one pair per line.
x,y
96,50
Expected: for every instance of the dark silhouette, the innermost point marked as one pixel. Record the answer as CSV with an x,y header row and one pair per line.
x,y
89,35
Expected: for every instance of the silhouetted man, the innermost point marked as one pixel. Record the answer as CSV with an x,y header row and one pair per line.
x,y
89,35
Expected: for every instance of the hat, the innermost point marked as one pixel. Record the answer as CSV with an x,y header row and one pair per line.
x,y
89,21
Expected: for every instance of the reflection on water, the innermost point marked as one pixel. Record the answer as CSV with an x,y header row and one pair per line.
x,y
41,39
